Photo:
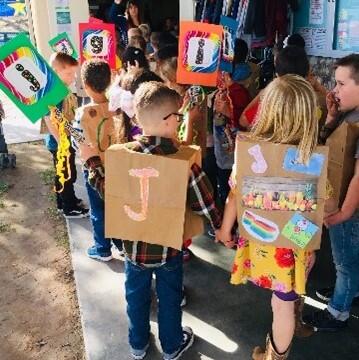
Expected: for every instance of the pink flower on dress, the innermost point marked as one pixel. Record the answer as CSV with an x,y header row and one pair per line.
x,y
247,264
280,287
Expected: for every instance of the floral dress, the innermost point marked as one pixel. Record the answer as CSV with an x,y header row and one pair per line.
x,y
270,267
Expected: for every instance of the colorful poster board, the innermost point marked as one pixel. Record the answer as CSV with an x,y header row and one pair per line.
x,y
62,43
278,204
28,80
146,192
98,41
199,53
230,27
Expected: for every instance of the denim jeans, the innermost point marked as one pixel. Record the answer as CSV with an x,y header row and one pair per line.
x,y
344,239
97,216
169,279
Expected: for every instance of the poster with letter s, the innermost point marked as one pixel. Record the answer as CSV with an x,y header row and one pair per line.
x,y
98,41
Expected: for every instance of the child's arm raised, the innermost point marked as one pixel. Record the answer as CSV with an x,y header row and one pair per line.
x,y
224,234
351,202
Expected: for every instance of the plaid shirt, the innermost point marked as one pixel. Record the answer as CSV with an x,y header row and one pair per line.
x,y
199,198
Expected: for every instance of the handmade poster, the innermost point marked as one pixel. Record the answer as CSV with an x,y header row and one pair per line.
x,y
342,147
98,41
275,204
199,53
145,197
230,27
98,127
28,80
299,230
62,43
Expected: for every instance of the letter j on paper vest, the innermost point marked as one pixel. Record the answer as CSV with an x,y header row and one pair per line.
x,y
145,197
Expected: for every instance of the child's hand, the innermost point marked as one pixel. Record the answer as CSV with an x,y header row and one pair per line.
x,y
87,151
225,237
337,218
332,106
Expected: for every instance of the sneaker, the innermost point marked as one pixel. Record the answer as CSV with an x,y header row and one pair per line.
x,y
323,320
78,212
80,203
94,254
188,338
139,354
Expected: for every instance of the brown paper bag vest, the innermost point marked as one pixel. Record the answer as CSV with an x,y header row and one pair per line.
x,y
98,127
342,147
275,204
145,197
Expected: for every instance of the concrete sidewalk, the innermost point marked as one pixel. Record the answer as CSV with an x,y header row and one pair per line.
x,y
228,321
17,128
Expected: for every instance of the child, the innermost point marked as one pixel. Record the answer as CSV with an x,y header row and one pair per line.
x,y
295,125
156,109
343,106
65,66
228,106
6,159
96,122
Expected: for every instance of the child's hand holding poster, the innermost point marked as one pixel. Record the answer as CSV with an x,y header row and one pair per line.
x,y
199,53
62,43
98,41
28,80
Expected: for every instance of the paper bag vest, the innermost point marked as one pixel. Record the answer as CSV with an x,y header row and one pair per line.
x,y
145,196
98,126
342,147
280,202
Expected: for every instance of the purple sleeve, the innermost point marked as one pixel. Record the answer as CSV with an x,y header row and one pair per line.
x,y
135,131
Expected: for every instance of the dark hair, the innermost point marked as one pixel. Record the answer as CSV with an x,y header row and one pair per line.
x,y
292,60
240,51
63,59
166,38
167,52
133,54
153,95
96,74
296,40
133,79
129,19
351,61
137,42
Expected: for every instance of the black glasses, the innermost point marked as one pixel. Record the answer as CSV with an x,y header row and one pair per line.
x,y
179,116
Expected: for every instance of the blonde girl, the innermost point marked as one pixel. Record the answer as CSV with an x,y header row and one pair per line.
x,y
287,115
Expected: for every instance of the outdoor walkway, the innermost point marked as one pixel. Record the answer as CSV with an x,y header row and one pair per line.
x,y
228,321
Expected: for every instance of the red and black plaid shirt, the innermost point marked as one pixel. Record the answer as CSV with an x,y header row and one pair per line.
x,y
199,198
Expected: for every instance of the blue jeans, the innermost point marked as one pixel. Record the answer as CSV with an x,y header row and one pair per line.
x,y
169,279
97,216
344,239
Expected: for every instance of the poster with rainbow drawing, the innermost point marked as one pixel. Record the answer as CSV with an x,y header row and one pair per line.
x,y
27,79
280,201
98,41
199,53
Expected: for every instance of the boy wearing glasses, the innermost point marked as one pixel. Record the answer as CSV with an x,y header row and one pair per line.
x,y
156,108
